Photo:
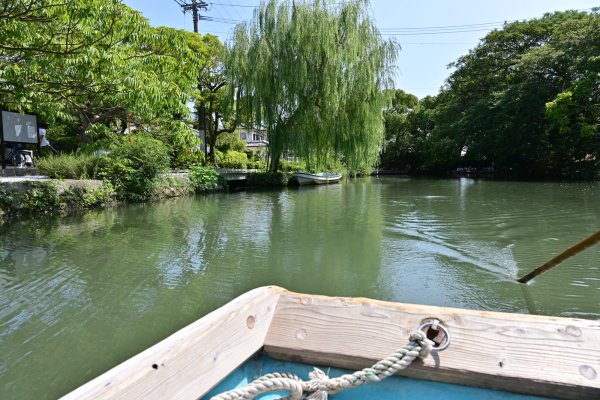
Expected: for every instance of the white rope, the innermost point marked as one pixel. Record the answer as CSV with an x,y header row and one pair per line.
x,y
321,386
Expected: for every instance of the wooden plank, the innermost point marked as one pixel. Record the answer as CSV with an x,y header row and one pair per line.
x,y
548,356
190,362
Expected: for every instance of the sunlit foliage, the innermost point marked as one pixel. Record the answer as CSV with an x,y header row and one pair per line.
x,y
312,74
91,64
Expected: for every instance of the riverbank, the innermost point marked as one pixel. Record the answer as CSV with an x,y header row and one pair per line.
x,y
39,195
30,195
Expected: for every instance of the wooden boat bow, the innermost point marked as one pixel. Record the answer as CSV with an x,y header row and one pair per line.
x,y
546,356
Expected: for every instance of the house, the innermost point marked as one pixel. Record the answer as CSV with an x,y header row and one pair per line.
x,y
256,140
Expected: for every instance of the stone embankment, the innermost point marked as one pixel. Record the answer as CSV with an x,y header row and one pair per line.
x,y
23,193
36,194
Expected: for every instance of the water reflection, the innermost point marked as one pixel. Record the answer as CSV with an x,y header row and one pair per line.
x,y
82,293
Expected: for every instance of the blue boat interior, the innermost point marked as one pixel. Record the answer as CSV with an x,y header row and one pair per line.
x,y
396,387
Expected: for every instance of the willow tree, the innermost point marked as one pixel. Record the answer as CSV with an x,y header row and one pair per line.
x,y
312,74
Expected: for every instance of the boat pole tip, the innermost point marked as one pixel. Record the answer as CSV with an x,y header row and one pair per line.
x,y
568,253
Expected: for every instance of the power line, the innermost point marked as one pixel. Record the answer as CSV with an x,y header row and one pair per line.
x,y
234,5
227,12
433,32
220,15
194,7
216,33
224,20
446,26
437,43
235,9
429,30
247,6
399,31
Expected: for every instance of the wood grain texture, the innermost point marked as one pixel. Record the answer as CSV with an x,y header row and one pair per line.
x,y
548,356
189,363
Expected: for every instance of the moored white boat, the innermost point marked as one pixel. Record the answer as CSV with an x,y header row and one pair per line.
x,y
537,355
321,178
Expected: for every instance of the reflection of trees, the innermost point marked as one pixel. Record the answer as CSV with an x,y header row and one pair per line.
x,y
328,240
323,240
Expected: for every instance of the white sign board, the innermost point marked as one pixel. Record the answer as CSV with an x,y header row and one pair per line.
x,y
21,128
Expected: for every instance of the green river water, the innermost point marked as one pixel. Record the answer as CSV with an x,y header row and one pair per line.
x,y
79,294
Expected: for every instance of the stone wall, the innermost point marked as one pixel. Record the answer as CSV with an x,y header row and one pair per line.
x,y
19,197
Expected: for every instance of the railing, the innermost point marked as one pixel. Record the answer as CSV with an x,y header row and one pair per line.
x,y
235,174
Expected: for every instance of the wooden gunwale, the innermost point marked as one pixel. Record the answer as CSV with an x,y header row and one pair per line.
x,y
530,354
547,356
190,362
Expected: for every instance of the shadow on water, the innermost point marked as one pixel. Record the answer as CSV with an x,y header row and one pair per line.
x,y
528,299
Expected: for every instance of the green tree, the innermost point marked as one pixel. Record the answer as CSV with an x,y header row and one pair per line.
x,y
92,62
399,140
573,115
526,98
312,73
220,115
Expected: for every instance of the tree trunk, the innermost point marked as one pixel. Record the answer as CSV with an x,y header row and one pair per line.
x,y
275,161
211,158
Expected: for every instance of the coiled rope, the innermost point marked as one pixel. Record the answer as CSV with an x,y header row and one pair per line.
x,y
320,386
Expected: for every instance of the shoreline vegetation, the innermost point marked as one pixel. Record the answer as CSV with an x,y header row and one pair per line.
x,y
58,196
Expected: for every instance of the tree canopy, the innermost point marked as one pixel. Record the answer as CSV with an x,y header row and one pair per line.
x,y
214,105
526,101
312,73
90,63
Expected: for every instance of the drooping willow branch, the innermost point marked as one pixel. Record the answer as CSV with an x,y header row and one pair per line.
x,y
312,73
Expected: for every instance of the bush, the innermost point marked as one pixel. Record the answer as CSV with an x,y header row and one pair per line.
x,y
185,148
185,157
286,166
83,196
49,196
268,179
257,164
230,141
71,166
219,156
172,186
134,165
206,179
38,196
234,159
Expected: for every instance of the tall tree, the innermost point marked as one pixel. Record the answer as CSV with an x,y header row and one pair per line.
x,y
312,73
218,116
92,62
400,139
526,98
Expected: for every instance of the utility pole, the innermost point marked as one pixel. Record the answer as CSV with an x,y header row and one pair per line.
x,y
193,6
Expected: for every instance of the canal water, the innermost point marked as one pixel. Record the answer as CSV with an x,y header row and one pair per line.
x,y
79,294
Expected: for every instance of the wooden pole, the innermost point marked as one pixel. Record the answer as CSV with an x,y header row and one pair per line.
x,y
570,252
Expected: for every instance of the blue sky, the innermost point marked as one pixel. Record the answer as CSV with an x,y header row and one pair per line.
x,y
432,33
